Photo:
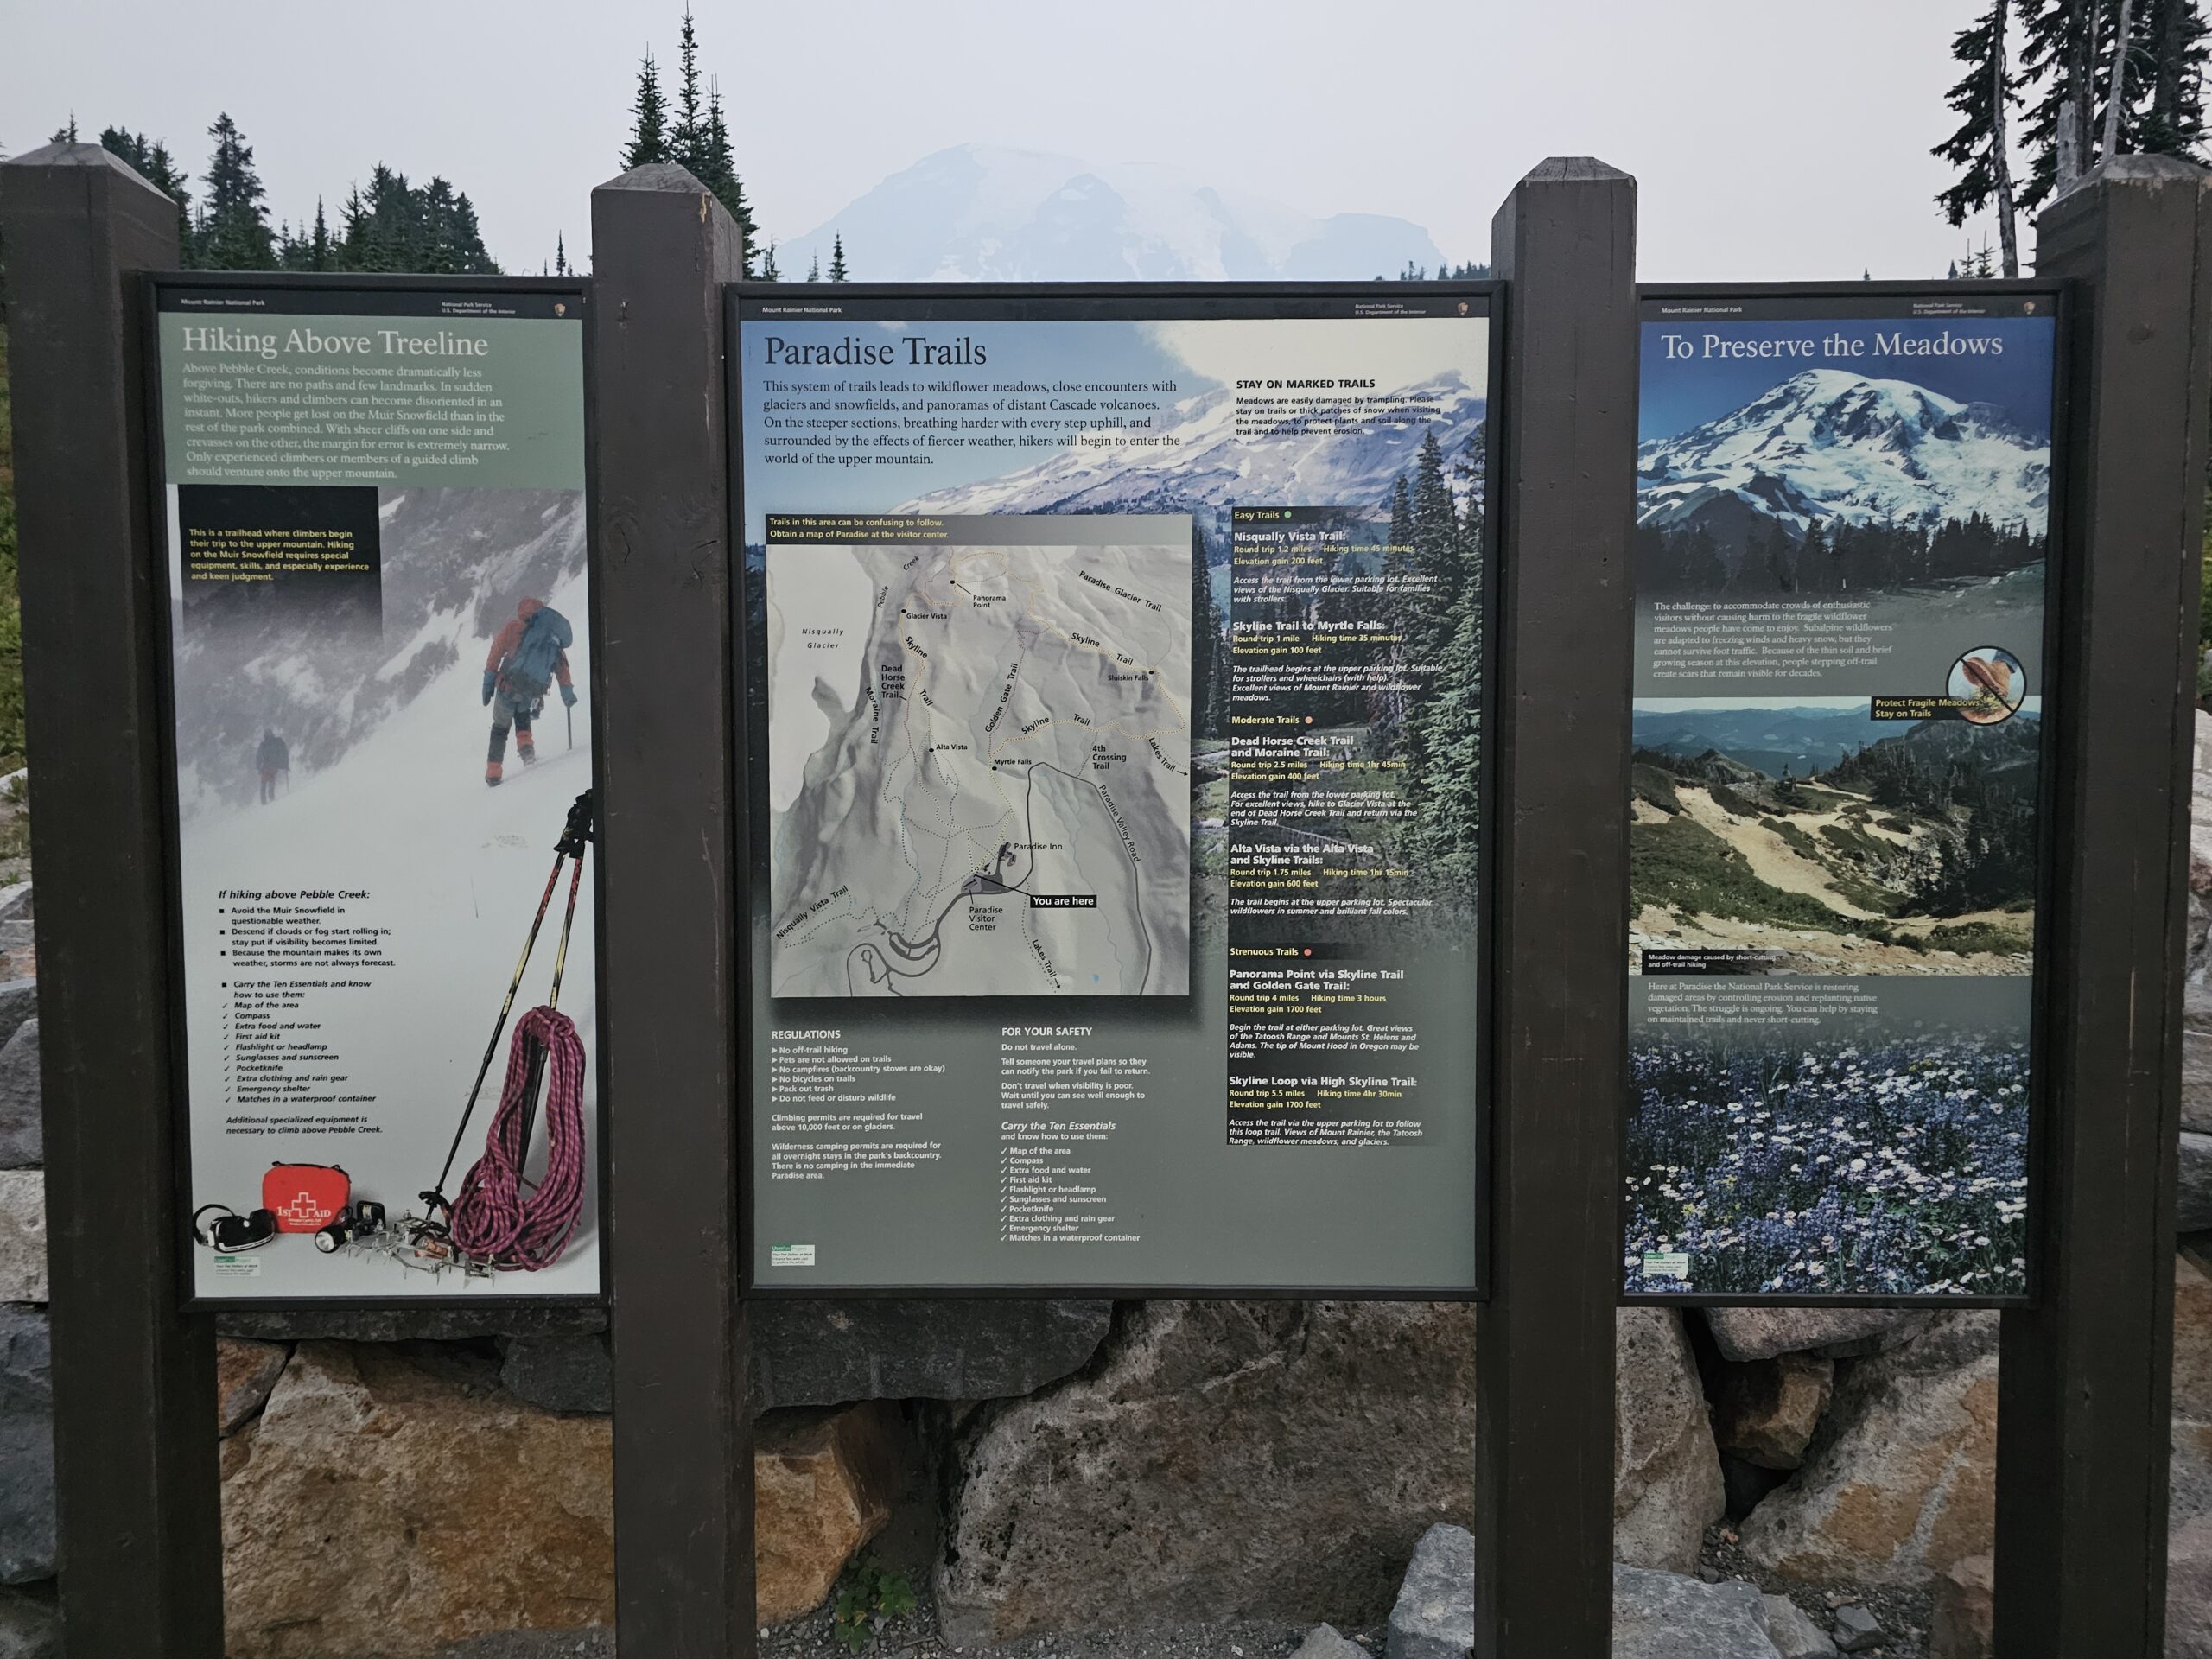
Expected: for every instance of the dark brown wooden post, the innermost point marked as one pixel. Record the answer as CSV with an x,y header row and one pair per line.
x,y
133,1379
662,248
2085,1390
1565,242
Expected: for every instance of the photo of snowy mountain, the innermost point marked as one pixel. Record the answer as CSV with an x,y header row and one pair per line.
x,y
1210,458
1886,476
976,212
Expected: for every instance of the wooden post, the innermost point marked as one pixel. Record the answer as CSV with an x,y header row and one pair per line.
x,y
2085,1385
1565,243
133,1379
662,249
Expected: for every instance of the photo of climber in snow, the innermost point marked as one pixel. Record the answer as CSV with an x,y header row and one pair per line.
x,y
528,657
271,759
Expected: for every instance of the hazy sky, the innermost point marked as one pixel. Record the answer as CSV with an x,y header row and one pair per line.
x,y
1773,138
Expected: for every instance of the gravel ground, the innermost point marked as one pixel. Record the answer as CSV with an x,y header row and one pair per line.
x,y
1904,1614
915,1637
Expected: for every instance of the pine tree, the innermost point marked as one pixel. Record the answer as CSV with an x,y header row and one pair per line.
x,y
559,254
768,271
837,272
2174,34
151,158
648,118
722,176
1435,541
1980,147
66,135
1206,653
2061,57
814,270
685,138
232,233
1402,516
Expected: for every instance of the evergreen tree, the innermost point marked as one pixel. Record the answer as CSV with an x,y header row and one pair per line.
x,y
398,227
722,175
150,157
686,137
1980,147
2172,124
768,271
814,270
66,135
1436,552
648,118
232,233
2061,57
837,272
559,254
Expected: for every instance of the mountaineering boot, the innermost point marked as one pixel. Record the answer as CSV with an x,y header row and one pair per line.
x,y
526,748
491,773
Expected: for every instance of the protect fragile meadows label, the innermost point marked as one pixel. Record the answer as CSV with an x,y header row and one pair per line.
x,y
1843,533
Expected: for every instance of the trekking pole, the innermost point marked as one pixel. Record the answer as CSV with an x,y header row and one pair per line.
x,y
436,1199
569,709
574,836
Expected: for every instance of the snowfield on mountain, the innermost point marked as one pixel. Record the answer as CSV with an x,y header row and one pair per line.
x,y
1830,446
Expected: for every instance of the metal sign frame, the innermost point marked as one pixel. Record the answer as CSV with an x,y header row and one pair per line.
x,y
1062,302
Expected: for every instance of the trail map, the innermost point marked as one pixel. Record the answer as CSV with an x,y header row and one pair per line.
x,y
979,760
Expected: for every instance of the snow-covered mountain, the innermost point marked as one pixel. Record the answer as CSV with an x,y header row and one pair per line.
x,y
977,214
1831,445
1205,467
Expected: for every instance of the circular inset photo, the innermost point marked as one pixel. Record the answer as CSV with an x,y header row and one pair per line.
x,y
1990,684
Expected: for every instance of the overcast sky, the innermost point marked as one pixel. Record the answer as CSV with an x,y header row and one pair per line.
x,y
1770,140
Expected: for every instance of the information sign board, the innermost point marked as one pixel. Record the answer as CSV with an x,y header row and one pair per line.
x,y
1113,709
1843,534
378,638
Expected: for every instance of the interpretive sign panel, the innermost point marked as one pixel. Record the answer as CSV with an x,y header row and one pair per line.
x,y
1844,514
1113,709
378,613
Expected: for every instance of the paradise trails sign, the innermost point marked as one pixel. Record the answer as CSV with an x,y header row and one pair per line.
x,y
1113,703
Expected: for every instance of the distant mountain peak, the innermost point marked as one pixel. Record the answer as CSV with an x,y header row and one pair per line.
x,y
981,212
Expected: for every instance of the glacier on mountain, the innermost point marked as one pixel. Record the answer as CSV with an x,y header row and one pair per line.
x,y
1828,446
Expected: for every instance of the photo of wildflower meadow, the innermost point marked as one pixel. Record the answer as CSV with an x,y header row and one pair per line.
x,y
1866,1168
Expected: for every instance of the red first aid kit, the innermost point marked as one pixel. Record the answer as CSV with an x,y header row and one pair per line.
x,y
305,1197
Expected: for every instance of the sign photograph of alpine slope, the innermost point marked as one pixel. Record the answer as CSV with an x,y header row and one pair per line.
x,y
1843,529
379,665
1113,719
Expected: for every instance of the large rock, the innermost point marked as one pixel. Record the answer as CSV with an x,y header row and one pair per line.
x,y
23,1137
384,1506
1326,1642
821,1487
1433,1616
26,1447
1901,1480
2196,1056
1964,1624
23,1236
1831,1333
826,1353
2189,1589
1666,1483
1270,1460
1765,1410
1793,1632
31,1627
2193,1189
1669,1616
245,1375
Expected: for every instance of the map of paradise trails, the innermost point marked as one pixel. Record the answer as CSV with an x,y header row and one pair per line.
x,y
980,755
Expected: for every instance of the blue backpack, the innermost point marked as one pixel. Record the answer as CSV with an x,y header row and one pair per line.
x,y
529,667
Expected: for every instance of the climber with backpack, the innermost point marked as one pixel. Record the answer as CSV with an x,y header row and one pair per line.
x,y
529,656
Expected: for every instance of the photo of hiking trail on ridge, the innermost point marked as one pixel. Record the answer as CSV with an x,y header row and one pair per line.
x,y
1845,845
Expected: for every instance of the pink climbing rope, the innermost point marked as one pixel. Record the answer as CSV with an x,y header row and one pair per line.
x,y
492,1220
